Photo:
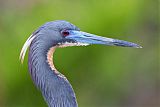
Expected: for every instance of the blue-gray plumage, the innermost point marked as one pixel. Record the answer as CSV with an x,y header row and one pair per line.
x,y
54,86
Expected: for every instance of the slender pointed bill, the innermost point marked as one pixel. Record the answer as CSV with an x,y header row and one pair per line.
x,y
25,47
83,37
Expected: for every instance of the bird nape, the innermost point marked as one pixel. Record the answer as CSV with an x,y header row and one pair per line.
x,y
54,86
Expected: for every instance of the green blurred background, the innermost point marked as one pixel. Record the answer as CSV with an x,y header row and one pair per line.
x,y
101,76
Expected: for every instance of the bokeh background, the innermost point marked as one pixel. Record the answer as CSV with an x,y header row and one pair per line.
x,y
101,76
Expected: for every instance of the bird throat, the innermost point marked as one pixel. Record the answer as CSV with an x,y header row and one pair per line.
x,y
50,59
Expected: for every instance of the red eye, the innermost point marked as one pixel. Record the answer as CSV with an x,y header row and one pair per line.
x,y
65,33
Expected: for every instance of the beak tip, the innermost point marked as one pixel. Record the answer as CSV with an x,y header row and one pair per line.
x,y
139,46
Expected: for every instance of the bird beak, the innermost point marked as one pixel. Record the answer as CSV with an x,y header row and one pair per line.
x,y
87,38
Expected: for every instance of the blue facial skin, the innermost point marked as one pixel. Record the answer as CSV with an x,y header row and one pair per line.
x,y
83,37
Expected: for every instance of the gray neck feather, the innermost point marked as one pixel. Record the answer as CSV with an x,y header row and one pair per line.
x,y
55,88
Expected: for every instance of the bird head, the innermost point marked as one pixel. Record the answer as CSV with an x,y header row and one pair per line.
x,y
63,34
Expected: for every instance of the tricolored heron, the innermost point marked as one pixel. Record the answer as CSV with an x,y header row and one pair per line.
x,y
54,86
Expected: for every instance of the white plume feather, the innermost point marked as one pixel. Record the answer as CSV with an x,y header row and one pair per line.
x,y
25,47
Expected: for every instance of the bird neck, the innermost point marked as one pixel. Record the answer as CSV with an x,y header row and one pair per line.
x,y
55,87
50,59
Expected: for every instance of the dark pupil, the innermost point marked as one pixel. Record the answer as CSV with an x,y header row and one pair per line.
x,y
65,33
